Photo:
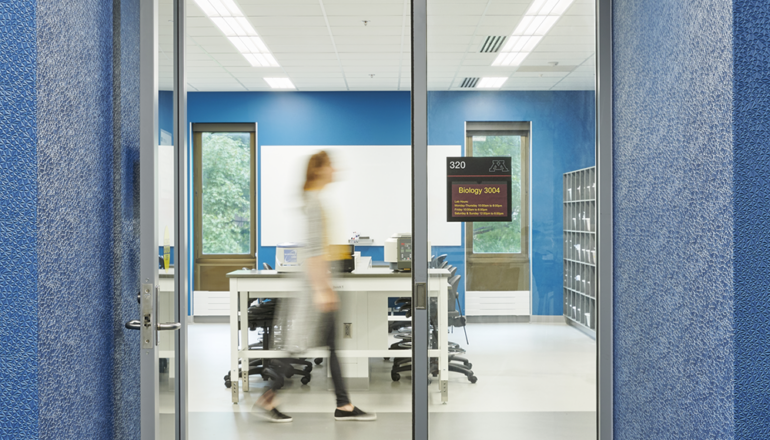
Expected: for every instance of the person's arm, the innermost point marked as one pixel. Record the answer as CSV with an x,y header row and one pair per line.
x,y
324,295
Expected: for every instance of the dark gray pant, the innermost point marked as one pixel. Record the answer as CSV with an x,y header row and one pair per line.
x,y
330,338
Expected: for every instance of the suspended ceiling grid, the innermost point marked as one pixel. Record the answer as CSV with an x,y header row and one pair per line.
x,y
324,45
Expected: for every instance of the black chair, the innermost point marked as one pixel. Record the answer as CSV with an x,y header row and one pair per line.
x,y
267,266
457,364
261,314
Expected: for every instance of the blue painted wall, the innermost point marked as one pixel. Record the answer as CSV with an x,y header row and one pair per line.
x,y
673,222
166,114
563,140
69,119
751,214
19,386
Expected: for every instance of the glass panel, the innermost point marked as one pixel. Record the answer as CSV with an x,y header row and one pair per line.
x,y
226,198
307,76
500,237
511,86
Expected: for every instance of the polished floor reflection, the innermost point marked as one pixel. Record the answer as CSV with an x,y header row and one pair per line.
x,y
536,381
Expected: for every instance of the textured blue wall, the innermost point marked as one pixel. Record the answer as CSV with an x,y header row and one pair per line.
x,y
18,199
673,211
75,206
563,140
751,166
125,218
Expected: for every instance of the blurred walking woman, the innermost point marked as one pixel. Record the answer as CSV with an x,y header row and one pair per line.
x,y
314,317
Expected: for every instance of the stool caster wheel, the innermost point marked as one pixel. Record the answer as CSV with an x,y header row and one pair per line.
x,y
318,361
305,380
228,384
307,369
395,376
473,379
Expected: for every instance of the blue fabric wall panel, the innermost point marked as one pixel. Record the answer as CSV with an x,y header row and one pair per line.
x,y
751,265
673,210
18,199
125,218
75,207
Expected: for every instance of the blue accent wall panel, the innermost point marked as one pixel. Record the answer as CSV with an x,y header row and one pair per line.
x,y
19,407
75,218
751,265
166,114
673,220
562,141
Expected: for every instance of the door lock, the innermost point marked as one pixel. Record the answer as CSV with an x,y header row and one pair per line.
x,y
148,325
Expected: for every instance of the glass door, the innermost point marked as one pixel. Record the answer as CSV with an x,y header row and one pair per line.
x,y
511,108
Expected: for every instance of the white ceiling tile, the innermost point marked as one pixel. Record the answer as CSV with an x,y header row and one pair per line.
x,y
356,48
340,30
365,10
316,31
373,22
282,9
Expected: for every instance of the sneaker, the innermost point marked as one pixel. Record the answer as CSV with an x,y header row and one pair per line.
x,y
276,416
356,414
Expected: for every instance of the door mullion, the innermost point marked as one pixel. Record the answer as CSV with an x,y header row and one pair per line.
x,y
420,361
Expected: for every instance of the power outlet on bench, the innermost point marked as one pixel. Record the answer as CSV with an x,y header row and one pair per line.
x,y
347,332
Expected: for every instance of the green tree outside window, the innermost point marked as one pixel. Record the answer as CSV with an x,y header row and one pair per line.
x,y
226,198
500,237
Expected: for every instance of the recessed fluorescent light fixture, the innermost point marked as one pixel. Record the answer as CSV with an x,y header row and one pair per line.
x,y
280,83
230,20
539,19
491,83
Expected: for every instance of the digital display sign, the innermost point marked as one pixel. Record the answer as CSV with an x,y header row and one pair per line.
x,y
479,189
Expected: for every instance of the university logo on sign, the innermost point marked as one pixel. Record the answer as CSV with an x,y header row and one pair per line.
x,y
498,165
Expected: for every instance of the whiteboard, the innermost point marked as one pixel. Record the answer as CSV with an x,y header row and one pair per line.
x,y
371,194
165,199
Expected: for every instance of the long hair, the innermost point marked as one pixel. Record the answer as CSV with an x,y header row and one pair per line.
x,y
318,160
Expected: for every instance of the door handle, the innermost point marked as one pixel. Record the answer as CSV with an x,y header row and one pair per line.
x,y
170,326
137,325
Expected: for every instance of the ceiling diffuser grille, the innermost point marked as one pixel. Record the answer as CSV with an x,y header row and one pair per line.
x,y
469,83
492,44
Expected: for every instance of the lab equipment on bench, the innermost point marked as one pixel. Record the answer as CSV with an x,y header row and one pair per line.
x,y
289,257
398,252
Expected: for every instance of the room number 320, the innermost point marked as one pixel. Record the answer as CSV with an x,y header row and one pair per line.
x,y
457,165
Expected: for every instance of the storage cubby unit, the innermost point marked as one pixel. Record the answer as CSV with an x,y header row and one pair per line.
x,y
580,249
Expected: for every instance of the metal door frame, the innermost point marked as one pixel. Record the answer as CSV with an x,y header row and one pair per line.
x,y
419,36
148,251
148,172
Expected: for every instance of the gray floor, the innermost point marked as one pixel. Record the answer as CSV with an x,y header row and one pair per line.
x,y
536,381
389,426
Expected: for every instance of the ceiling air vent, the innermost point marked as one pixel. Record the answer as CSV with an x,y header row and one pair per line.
x,y
469,83
492,44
